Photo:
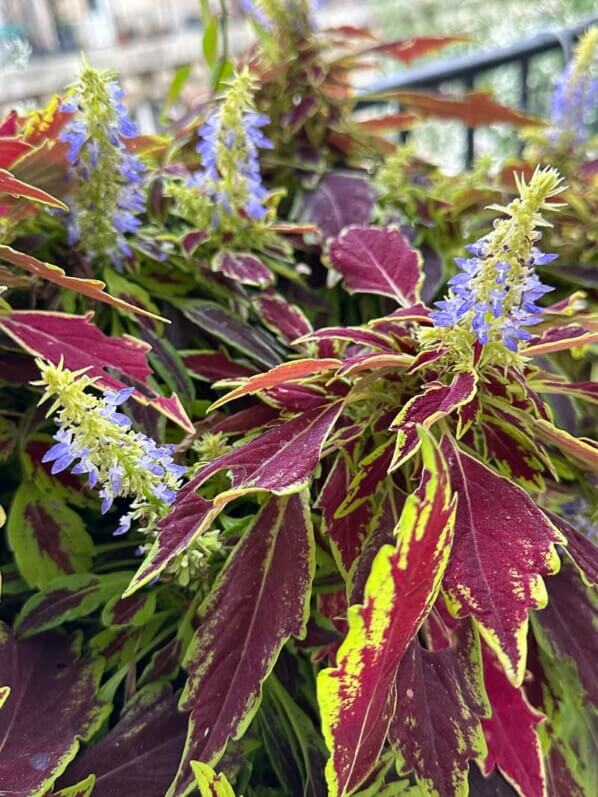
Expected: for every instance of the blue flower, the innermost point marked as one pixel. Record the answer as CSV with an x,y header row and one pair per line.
x,y
484,296
110,193
229,146
575,93
138,466
252,9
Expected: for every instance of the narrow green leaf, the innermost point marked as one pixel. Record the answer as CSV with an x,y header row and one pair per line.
x,y
180,78
210,41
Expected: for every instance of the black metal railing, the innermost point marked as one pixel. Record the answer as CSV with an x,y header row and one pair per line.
x,y
465,70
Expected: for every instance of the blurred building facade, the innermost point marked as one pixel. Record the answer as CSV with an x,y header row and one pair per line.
x,y
66,25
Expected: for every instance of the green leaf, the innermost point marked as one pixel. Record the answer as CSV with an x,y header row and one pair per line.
x,y
295,748
221,73
210,41
211,784
136,610
8,438
68,598
180,78
82,789
47,538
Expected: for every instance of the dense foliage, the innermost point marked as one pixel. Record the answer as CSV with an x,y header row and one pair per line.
x,y
295,437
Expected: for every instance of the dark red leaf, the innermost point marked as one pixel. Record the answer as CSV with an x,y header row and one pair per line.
x,y
259,600
436,401
139,755
80,344
212,366
440,699
281,460
378,260
561,338
581,550
564,629
51,706
347,533
515,455
503,546
513,744
243,267
283,318
357,696
338,201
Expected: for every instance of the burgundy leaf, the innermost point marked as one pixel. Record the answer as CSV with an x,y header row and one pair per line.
x,y
561,338
51,706
296,398
513,743
514,454
259,600
357,696
80,344
281,460
139,755
356,335
212,366
440,699
338,201
436,401
192,240
243,267
346,533
283,318
564,629
378,260
581,550
503,546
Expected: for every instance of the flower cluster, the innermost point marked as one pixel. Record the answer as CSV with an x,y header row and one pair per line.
x,y
494,295
229,144
576,92
109,194
96,439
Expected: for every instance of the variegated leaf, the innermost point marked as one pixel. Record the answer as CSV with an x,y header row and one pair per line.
x,y
260,598
503,546
357,696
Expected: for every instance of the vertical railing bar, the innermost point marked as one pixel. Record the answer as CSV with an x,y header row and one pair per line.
x,y
469,82
524,83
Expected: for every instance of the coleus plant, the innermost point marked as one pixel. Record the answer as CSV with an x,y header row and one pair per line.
x,y
408,480
351,584
432,457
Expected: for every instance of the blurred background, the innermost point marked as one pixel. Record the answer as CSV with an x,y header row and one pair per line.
x,y
147,41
